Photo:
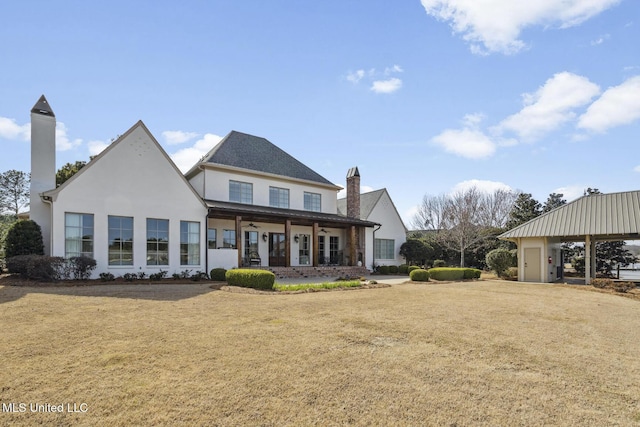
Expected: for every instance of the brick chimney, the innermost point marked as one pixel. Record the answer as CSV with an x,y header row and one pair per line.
x,y
353,193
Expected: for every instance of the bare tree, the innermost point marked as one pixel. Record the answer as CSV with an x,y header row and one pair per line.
x,y
14,191
463,219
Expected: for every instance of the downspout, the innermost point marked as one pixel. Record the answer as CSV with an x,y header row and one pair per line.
x,y
373,252
48,200
206,242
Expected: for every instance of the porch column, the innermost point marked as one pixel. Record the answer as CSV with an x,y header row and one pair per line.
x,y
239,239
587,260
287,243
315,244
353,250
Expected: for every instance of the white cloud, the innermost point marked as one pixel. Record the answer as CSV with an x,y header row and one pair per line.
x,y
96,147
495,25
600,40
187,157
552,105
637,168
63,143
618,105
380,81
571,192
482,185
386,86
355,76
174,137
9,129
470,143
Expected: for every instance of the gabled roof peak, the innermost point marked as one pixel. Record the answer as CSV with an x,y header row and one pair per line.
x,y
43,107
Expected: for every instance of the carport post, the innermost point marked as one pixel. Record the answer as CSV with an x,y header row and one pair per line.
x,y
587,260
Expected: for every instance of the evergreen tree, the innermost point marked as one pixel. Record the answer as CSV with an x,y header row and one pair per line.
x,y
554,200
24,238
525,209
67,171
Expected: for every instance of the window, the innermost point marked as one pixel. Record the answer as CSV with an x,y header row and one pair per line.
x,y
229,239
241,192
334,251
279,197
251,244
304,246
312,202
120,240
189,243
211,238
384,249
78,235
321,258
157,241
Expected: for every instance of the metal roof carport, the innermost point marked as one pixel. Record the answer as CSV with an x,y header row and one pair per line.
x,y
593,218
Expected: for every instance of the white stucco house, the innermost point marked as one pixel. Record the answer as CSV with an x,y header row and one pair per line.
x,y
247,203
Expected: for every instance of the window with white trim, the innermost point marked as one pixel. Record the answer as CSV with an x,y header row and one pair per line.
x,y
189,243
241,192
384,249
157,241
78,235
312,202
120,240
279,197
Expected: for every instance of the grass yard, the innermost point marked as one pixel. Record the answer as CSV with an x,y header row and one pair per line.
x,y
475,353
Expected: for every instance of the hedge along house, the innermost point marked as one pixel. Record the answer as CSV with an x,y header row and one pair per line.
x,y
246,203
589,219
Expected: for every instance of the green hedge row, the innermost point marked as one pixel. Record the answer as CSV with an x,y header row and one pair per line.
x,y
249,278
419,275
451,273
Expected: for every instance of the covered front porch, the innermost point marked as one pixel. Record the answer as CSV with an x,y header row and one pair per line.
x,y
241,235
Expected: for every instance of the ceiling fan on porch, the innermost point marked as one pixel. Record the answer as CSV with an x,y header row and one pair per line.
x,y
252,225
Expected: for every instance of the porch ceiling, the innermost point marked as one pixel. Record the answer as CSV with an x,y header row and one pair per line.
x,y
229,210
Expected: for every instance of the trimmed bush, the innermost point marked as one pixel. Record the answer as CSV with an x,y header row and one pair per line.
x,y
158,276
107,277
499,260
403,269
412,267
24,238
454,273
37,267
249,278
218,274
419,275
81,267
393,269
383,269
439,263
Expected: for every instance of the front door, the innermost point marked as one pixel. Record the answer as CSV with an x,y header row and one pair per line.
x,y
532,265
277,250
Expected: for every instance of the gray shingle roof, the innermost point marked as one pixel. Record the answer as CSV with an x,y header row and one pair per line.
x,y
367,203
254,153
615,214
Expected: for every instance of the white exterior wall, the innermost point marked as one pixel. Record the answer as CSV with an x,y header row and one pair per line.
x,y
216,187
135,179
549,249
392,228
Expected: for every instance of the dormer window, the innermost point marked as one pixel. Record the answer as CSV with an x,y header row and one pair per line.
x,y
241,192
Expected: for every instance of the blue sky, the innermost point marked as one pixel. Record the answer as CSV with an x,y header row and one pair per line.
x,y
425,97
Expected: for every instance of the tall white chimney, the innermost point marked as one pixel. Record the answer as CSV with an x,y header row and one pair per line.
x,y
43,166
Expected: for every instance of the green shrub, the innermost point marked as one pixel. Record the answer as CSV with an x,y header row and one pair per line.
x,y
419,275
24,238
393,269
249,278
499,260
218,274
198,276
412,267
81,267
383,269
454,273
107,277
403,269
158,276
37,267
472,273
439,263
